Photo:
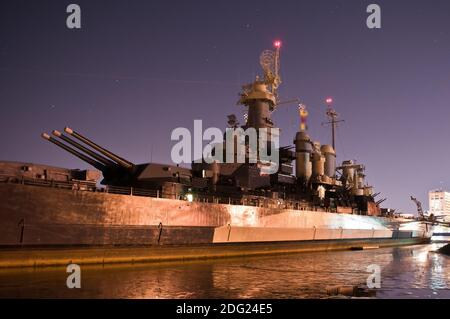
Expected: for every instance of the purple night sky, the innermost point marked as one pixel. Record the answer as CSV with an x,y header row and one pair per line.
x,y
138,69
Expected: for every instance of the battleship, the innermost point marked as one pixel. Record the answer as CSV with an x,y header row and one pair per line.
x,y
310,203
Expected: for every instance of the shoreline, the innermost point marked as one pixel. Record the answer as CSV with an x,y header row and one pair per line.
x,y
61,256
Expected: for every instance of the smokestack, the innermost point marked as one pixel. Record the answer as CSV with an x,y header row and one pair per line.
x,y
303,150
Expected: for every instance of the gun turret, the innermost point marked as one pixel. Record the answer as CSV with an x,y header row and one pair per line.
x,y
116,170
119,160
81,156
77,145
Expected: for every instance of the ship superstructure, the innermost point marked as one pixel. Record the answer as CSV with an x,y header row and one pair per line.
x,y
307,171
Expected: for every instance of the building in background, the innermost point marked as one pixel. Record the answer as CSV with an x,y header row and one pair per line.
x,y
439,203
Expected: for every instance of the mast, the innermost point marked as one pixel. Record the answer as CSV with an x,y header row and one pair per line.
x,y
333,120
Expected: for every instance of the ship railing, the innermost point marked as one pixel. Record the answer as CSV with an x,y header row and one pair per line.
x,y
255,201
74,184
78,185
131,191
118,190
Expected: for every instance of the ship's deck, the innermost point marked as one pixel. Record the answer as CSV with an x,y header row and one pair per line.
x,y
248,200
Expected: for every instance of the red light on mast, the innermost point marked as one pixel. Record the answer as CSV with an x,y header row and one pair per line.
x,y
329,101
277,44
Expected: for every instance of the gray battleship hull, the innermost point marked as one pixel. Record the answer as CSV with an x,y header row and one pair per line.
x,y
48,216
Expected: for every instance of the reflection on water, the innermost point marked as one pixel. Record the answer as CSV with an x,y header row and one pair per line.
x,y
406,272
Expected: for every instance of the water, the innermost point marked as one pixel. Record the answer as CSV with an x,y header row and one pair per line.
x,y
406,272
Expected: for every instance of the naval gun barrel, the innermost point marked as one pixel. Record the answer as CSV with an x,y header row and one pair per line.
x,y
122,162
83,157
77,145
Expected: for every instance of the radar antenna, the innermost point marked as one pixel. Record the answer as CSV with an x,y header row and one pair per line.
x,y
270,63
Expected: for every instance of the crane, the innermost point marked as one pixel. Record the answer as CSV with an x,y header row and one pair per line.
x,y
419,207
